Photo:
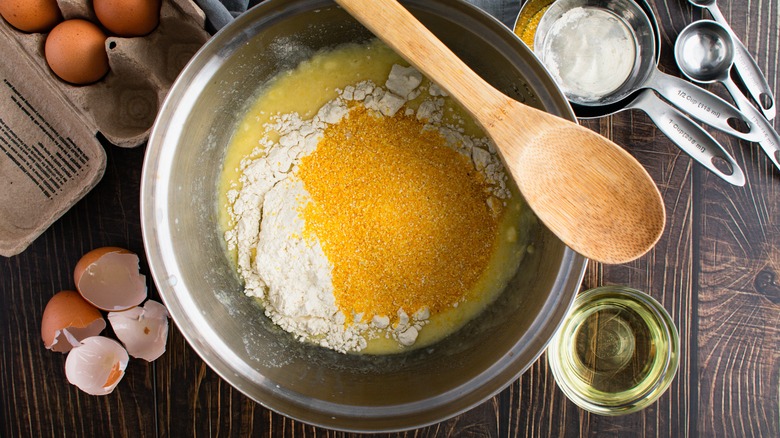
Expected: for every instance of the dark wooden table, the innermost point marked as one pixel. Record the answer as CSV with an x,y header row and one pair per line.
x,y
715,270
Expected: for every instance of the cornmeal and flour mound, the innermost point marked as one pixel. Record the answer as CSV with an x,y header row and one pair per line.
x,y
369,218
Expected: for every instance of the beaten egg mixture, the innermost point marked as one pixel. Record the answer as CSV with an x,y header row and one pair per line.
x,y
364,208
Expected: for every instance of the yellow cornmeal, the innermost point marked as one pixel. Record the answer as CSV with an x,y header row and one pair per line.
x,y
503,239
402,217
528,34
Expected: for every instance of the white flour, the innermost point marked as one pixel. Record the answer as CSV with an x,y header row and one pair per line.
x,y
288,272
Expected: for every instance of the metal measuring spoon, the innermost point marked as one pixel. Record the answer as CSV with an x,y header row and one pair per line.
x,y
705,53
746,66
699,103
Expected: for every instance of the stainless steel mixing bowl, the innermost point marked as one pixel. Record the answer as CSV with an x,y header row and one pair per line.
x,y
186,252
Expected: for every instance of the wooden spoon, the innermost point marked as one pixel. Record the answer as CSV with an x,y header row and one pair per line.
x,y
586,189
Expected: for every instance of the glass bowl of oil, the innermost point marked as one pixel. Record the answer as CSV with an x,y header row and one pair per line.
x,y
616,352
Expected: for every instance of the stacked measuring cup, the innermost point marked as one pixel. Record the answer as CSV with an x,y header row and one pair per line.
x,y
604,55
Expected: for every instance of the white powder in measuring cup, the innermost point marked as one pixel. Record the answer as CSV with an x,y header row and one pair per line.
x,y
590,53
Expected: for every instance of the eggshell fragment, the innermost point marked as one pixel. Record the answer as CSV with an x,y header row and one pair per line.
x,y
97,365
143,330
67,320
109,278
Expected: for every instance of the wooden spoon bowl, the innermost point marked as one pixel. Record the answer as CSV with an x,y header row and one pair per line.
x,y
586,189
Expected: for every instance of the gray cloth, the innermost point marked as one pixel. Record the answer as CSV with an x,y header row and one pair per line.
x,y
221,12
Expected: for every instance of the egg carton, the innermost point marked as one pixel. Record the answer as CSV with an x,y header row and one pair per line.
x,y
50,155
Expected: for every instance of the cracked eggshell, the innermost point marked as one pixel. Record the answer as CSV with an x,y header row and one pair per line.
x,y
109,278
67,320
97,365
143,330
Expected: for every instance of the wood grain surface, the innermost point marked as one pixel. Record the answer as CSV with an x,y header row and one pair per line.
x,y
715,270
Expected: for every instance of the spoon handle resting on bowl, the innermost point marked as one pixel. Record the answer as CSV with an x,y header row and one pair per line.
x,y
747,68
689,137
586,189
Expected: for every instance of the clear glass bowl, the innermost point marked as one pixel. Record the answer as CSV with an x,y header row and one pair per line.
x,y
616,352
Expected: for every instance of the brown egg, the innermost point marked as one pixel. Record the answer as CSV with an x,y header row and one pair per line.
x,y
31,15
67,320
76,52
128,18
109,278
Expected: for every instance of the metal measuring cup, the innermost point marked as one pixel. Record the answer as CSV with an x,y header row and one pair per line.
x,y
697,102
688,136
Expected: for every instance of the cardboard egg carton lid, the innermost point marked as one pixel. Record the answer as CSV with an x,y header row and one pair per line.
x,y
50,156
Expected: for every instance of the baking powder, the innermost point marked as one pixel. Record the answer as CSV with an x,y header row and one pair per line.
x,y
590,53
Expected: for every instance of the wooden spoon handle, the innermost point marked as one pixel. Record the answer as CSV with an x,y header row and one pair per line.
x,y
421,48
604,205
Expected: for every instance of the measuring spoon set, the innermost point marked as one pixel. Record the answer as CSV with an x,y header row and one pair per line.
x,y
705,51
